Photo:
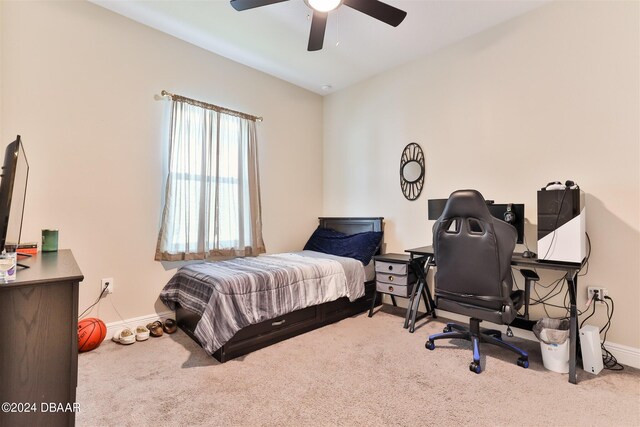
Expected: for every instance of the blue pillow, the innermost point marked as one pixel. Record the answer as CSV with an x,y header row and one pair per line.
x,y
361,246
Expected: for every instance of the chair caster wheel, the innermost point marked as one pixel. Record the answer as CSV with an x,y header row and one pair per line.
x,y
523,362
430,345
446,329
475,367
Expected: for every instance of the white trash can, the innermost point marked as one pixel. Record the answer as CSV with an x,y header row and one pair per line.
x,y
555,357
554,343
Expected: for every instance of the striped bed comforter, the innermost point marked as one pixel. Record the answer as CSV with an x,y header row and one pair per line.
x,y
232,294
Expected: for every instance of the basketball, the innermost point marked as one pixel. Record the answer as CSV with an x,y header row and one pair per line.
x,y
91,332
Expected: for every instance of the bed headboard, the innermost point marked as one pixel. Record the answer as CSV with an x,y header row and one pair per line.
x,y
355,225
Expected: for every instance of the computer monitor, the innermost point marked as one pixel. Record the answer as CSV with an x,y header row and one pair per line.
x,y
517,219
516,210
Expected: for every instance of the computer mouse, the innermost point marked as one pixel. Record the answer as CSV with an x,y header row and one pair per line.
x,y
528,254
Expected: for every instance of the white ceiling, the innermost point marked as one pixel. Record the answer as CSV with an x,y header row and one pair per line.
x,y
273,38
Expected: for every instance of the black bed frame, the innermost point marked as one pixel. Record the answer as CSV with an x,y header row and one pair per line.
x,y
260,335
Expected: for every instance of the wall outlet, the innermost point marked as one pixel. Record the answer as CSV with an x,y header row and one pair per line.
x,y
107,283
602,292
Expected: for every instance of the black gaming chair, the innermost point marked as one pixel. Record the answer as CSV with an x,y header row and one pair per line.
x,y
473,277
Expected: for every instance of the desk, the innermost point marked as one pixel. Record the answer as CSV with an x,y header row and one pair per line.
x,y
571,275
420,264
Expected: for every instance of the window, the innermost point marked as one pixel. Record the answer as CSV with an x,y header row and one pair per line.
x,y
212,202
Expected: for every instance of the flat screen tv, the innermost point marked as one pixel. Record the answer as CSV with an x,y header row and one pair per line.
x,y
13,190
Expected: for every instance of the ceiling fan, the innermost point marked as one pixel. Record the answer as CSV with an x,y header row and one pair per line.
x,y
321,8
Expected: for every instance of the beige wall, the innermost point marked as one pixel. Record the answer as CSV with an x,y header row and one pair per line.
x,y
551,95
78,83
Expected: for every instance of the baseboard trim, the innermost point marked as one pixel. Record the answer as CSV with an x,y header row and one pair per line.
x,y
112,327
624,354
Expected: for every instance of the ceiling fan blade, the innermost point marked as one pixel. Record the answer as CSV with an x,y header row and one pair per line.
x,y
376,9
318,25
250,4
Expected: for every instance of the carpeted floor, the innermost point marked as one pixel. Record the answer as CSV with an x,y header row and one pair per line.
x,y
358,372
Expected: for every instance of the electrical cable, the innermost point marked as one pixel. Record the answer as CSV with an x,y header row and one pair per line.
x,y
592,313
586,260
117,312
554,291
97,301
608,359
93,305
607,325
524,240
556,287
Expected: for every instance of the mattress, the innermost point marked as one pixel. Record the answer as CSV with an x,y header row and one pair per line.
x,y
230,295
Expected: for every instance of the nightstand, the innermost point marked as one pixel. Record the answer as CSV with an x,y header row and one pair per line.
x,y
397,275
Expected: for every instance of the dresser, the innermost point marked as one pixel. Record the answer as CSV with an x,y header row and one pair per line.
x,y
39,342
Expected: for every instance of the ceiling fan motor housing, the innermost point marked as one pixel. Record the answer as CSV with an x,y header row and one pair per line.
x,y
321,8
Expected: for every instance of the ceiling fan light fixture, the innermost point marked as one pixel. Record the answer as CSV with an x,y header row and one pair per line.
x,y
321,8
323,5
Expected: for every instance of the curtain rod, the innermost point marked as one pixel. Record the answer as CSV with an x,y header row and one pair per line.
x,y
210,106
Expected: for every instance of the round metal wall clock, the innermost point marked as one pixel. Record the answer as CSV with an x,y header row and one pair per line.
x,y
412,171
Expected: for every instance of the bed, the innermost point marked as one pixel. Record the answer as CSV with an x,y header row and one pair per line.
x,y
237,334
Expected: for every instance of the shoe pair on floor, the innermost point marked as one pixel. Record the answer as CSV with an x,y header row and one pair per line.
x,y
127,336
157,328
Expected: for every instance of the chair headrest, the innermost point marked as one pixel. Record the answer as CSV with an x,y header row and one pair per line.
x,y
466,203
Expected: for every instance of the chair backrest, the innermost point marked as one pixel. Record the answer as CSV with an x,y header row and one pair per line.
x,y
473,252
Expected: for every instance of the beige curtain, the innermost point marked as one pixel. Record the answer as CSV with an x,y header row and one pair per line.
x,y
212,202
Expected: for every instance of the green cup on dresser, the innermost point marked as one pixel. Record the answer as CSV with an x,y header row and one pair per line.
x,y
49,240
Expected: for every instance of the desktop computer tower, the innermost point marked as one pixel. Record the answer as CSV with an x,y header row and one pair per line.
x,y
561,225
591,349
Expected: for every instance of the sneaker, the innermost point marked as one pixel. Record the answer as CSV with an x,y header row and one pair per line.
x,y
124,336
142,333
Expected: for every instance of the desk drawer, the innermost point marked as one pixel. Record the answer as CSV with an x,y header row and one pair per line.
x,y
395,289
395,279
391,267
